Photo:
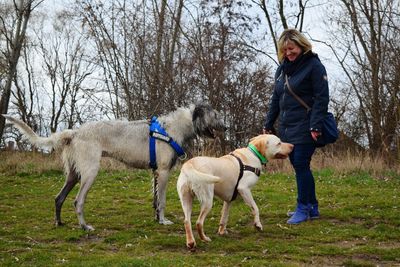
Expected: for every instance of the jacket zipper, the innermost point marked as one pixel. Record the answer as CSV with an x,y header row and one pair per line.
x,y
284,110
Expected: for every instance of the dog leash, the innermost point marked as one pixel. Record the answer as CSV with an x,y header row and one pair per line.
x,y
242,168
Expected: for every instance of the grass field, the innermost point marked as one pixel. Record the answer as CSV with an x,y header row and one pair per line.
x,y
359,224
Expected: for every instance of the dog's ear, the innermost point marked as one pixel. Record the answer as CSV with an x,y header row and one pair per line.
x,y
260,143
199,111
255,137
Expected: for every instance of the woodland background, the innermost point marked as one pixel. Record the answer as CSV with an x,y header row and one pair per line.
x,y
63,63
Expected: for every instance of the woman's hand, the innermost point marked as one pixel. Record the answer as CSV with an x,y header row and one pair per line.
x,y
268,131
315,135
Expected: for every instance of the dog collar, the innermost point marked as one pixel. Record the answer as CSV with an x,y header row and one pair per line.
x,y
257,153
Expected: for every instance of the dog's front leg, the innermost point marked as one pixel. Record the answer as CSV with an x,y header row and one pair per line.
x,y
248,199
160,195
224,218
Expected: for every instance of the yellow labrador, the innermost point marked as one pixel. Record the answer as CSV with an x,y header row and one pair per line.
x,y
226,176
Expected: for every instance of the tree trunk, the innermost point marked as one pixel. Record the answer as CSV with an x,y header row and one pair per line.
x,y
155,86
23,14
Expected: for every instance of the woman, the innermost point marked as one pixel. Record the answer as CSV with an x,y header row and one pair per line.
x,y
307,78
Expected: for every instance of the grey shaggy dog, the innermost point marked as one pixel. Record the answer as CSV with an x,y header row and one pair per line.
x,y
127,141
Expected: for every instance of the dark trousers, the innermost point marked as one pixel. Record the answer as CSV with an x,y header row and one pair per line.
x,y
300,159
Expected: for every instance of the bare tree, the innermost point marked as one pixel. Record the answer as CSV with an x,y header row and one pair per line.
x,y
13,31
155,82
282,15
367,38
224,68
66,67
107,25
26,91
136,43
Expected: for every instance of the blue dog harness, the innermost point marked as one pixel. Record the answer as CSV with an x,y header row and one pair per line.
x,y
158,132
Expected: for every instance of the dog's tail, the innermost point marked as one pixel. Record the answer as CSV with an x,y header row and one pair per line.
x,y
53,141
199,183
196,176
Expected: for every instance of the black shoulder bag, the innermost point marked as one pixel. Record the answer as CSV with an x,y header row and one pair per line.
x,y
329,131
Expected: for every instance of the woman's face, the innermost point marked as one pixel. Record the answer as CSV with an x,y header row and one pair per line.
x,y
291,51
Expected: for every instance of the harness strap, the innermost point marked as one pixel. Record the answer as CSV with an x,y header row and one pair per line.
x,y
242,168
158,132
152,148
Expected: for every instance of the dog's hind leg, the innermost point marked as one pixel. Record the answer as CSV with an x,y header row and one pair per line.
x,y
205,208
186,198
71,180
160,196
87,178
224,218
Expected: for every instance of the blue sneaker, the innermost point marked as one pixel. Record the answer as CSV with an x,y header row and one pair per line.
x,y
300,215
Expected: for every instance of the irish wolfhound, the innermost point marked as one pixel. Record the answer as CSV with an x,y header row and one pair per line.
x,y
127,141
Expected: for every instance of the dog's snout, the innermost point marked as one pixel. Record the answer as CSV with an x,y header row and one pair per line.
x,y
221,127
289,147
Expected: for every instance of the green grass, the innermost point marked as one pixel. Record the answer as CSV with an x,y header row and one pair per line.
x,y
359,225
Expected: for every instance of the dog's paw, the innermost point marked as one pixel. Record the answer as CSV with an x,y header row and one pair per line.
x,y
165,221
87,228
222,231
258,226
57,223
205,238
191,246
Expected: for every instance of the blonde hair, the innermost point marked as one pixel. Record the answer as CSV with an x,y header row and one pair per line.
x,y
294,36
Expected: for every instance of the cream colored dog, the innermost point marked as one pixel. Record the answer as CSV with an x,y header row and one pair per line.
x,y
206,176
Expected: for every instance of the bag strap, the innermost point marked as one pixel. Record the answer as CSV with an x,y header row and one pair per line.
x,y
296,96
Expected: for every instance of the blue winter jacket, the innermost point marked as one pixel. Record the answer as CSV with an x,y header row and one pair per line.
x,y
309,81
